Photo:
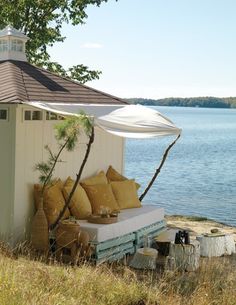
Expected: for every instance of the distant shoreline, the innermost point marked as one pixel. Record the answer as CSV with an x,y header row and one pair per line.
x,y
198,102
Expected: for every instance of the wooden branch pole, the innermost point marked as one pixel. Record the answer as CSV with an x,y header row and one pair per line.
x,y
159,168
78,176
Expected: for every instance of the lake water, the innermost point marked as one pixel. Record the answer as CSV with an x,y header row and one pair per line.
x,y
199,175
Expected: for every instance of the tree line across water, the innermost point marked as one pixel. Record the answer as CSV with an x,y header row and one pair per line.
x,y
207,102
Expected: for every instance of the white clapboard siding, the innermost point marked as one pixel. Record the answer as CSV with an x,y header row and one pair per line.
x,y
31,137
7,160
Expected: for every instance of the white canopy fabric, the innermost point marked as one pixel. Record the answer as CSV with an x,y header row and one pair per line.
x,y
131,121
94,110
136,121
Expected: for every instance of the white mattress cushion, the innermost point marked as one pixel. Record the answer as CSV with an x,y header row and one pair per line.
x,y
129,220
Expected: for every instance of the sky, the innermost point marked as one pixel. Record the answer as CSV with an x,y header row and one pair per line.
x,y
156,48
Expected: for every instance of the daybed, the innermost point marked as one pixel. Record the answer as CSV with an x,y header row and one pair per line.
x,y
113,241
108,241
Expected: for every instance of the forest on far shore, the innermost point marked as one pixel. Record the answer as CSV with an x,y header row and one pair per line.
x,y
207,102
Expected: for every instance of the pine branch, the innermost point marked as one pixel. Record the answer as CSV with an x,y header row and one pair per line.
x,y
54,164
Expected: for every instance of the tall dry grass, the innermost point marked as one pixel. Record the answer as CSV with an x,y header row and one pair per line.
x,y
24,281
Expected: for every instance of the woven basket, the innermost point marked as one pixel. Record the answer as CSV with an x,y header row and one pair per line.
x,y
67,233
39,230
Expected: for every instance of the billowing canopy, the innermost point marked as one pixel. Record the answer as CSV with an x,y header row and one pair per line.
x,y
135,121
131,121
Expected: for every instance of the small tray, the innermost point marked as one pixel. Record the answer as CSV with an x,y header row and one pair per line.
x,y
102,220
214,234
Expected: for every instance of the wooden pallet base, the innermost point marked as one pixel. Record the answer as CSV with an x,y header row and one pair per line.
x,y
152,231
117,248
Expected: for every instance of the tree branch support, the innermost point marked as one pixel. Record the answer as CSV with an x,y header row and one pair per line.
x,y
159,168
78,176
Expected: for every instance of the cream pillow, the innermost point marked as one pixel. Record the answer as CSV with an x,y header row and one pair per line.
x,y
125,193
79,206
101,195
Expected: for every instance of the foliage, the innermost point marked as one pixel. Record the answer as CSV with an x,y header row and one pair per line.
x,y
44,168
191,218
42,22
231,101
67,133
69,129
209,102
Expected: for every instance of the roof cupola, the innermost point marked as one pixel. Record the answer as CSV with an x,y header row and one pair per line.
x,y
12,44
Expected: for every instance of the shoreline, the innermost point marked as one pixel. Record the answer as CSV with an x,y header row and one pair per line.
x,y
196,102
198,225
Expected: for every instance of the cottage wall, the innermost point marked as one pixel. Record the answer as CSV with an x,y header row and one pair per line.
x,y
30,139
7,163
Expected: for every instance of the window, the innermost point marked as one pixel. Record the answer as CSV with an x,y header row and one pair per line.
x,y
3,114
36,115
3,45
33,115
53,116
27,115
17,45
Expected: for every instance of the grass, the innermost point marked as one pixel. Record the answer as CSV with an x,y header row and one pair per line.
x,y
24,281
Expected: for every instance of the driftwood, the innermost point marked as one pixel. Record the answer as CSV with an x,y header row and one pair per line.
x,y
159,168
216,245
78,176
186,257
144,259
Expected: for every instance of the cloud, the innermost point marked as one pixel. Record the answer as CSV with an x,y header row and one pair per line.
x,y
92,45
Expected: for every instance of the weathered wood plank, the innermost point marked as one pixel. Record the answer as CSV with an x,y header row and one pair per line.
x,y
114,242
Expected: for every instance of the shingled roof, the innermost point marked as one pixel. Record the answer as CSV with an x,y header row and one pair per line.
x,y
23,82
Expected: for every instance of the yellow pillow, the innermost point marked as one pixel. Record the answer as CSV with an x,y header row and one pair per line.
x,y
79,206
113,175
38,190
101,195
126,194
100,178
53,203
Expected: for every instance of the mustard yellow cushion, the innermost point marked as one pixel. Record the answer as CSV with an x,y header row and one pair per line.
x,y
53,203
113,175
125,193
100,195
79,206
38,190
100,178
